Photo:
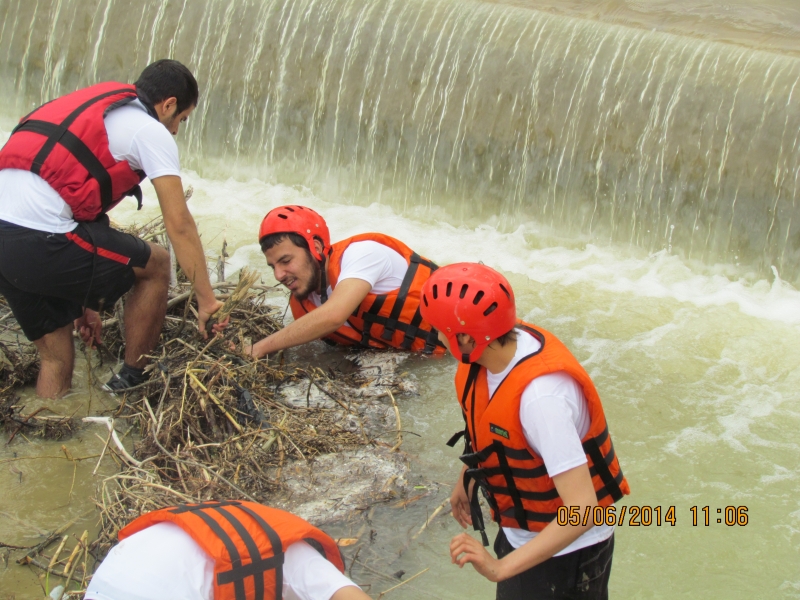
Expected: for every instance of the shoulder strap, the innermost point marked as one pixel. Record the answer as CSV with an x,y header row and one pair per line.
x,y
258,565
60,134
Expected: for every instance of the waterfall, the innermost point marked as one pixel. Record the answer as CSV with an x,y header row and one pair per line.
x,y
599,130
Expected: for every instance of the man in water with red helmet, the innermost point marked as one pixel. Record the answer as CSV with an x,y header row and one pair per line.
x,y
364,290
536,441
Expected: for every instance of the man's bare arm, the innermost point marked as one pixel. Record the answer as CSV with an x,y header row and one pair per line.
x,y
326,319
182,232
575,489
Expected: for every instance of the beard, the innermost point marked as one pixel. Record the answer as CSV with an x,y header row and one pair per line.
x,y
314,282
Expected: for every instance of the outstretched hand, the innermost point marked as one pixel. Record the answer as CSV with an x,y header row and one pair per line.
x,y
204,313
90,327
466,549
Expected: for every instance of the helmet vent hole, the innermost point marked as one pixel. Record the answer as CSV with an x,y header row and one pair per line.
x,y
425,299
282,217
290,209
490,310
478,297
449,289
435,292
507,293
463,292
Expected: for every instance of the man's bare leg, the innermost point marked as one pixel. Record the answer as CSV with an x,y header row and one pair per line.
x,y
146,307
57,354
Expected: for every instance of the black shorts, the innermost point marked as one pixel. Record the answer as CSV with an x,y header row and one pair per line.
x,y
47,277
579,575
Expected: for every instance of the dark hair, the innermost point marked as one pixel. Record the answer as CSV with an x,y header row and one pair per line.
x,y
507,337
168,78
273,239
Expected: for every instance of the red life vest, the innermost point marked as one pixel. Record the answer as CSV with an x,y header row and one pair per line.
x,y
520,492
247,542
386,320
65,143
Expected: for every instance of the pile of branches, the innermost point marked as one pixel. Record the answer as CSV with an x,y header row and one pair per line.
x,y
19,362
211,422
19,365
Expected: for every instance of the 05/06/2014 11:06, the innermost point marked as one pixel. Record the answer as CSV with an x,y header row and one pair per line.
x,y
644,516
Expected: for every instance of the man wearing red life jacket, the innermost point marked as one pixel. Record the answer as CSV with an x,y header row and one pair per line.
x,y
227,550
536,440
65,165
361,291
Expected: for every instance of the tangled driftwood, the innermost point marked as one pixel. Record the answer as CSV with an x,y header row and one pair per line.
x,y
212,423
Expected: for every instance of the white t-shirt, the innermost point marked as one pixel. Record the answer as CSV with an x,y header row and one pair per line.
x,y
133,135
163,562
554,417
378,265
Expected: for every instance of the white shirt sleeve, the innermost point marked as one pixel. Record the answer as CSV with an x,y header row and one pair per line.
x,y
161,562
378,265
307,575
156,153
147,145
554,417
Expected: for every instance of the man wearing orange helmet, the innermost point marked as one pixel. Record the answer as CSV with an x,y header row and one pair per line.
x,y
364,290
536,442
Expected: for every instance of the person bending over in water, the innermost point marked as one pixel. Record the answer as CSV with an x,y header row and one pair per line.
x,y
361,291
536,442
64,167
219,551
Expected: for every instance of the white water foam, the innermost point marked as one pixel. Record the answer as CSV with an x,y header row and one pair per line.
x,y
236,208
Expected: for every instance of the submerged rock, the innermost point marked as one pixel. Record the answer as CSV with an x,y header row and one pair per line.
x,y
334,486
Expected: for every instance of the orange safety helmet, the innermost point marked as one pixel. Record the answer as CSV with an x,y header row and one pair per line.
x,y
300,220
469,298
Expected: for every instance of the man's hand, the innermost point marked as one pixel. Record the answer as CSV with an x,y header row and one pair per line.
x,y
346,297
204,313
89,326
460,502
466,549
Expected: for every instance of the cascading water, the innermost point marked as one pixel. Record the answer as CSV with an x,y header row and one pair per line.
x,y
664,141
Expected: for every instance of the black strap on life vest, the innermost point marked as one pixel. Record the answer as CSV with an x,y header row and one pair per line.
x,y
601,464
391,324
60,134
457,436
475,506
258,565
482,474
474,503
412,330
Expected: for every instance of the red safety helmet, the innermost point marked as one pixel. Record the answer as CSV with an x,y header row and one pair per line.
x,y
300,220
469,298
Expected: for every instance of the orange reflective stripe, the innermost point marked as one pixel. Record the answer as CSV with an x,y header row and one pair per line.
x,y
115,256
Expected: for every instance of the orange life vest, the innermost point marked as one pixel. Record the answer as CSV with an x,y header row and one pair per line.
x,y
383,320
246,541
514,478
